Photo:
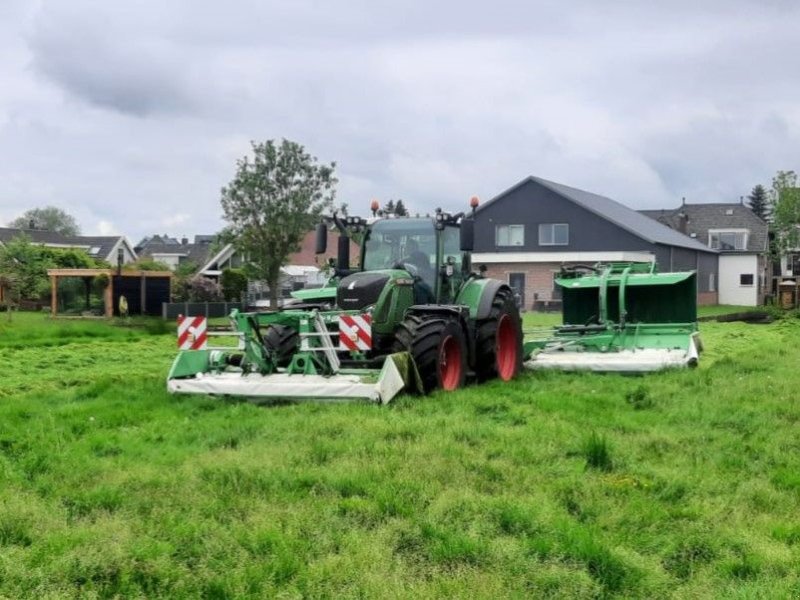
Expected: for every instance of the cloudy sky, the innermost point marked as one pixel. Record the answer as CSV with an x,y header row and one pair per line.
x,y
131,115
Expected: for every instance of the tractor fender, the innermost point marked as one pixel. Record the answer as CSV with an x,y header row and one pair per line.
x,y
478,295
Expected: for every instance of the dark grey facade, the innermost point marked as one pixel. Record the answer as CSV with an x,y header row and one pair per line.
x,y
595,224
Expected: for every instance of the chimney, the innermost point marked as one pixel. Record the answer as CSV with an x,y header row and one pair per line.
x,y
741,200
31,224
184,241
683,200
683,223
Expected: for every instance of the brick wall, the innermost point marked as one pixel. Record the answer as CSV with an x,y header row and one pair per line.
x,y
538,278
539,281
706,298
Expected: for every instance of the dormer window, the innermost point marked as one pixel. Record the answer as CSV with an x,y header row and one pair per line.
x,y
728,239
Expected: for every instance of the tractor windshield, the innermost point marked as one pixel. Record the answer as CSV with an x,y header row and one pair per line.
x,y
392,243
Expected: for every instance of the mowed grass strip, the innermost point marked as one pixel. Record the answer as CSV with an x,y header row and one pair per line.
x,y
679,484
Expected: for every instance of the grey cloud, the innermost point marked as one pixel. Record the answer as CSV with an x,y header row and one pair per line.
x,y
431,102
89,60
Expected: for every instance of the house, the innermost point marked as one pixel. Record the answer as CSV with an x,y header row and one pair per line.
x,y
303,268
107,248
173,252
740,237
525,234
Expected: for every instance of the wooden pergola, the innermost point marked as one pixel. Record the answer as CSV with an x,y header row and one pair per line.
x,y
108,293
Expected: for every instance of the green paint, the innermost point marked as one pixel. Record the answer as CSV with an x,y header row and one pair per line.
x,y
624,306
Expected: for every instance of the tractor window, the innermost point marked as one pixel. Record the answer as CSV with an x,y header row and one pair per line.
x,y
452,247
393,242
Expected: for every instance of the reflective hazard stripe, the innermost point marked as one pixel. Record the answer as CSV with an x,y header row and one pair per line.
x,y
192,333
355,333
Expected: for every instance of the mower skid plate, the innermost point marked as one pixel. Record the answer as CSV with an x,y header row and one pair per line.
x,y
334,388
625,361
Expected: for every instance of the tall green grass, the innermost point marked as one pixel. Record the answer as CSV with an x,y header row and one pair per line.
x,y
110,487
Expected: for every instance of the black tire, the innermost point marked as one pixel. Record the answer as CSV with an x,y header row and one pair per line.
x,y
431,340
487,365
282,341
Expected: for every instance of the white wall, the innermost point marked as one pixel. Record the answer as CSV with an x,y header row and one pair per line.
x,y
731,266
168,259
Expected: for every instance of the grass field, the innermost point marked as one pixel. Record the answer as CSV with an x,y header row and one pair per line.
x,y
681,484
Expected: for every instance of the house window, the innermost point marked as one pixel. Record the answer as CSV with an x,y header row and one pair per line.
x,y
746,279
712,282
553,234
727,240
509,235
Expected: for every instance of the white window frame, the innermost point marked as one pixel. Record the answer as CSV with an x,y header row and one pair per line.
x,y
509,237
747,285
745,233
552,227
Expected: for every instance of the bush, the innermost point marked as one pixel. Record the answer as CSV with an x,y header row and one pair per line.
x,y
234,284
203,289
146,264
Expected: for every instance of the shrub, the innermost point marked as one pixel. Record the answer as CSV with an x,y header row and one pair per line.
x,y
234,284
146,264
203,289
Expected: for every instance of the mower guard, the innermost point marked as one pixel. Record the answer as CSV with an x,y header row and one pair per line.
x,y
191,373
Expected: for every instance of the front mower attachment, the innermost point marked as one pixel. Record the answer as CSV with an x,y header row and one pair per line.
x,y
194,372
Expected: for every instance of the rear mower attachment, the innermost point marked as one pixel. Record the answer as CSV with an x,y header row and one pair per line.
x,y
621,317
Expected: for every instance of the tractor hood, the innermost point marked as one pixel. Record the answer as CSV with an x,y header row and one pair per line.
x,y
327,292
359,290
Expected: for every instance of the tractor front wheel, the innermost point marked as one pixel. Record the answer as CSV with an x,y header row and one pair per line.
x,y
499,340
282,342
439,349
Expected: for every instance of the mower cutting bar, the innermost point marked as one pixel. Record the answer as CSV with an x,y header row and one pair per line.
x,y
380,387
625,361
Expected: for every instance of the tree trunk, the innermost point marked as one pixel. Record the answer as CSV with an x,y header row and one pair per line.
x,y
274,292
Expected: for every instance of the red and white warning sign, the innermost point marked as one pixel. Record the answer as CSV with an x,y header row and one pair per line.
x,y
355,332
192,333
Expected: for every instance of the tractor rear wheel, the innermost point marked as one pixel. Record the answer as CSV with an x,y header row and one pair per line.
x,y
439,349
498,346
282,341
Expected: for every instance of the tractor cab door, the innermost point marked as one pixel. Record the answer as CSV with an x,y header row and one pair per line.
x,y
450,267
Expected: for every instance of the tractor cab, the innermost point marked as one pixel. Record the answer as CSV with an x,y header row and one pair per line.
x,y
428,250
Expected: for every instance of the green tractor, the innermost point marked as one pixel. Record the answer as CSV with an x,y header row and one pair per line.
x,y
413,315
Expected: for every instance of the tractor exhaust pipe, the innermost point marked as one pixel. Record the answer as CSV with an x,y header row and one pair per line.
x,y
343,254
322,238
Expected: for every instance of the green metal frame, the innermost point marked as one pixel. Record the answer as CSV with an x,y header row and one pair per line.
x,y
623,306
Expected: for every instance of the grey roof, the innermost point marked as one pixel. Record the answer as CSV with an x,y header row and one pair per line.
x,y
39,236
196,253
703,217
102,245
157,240
619,214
